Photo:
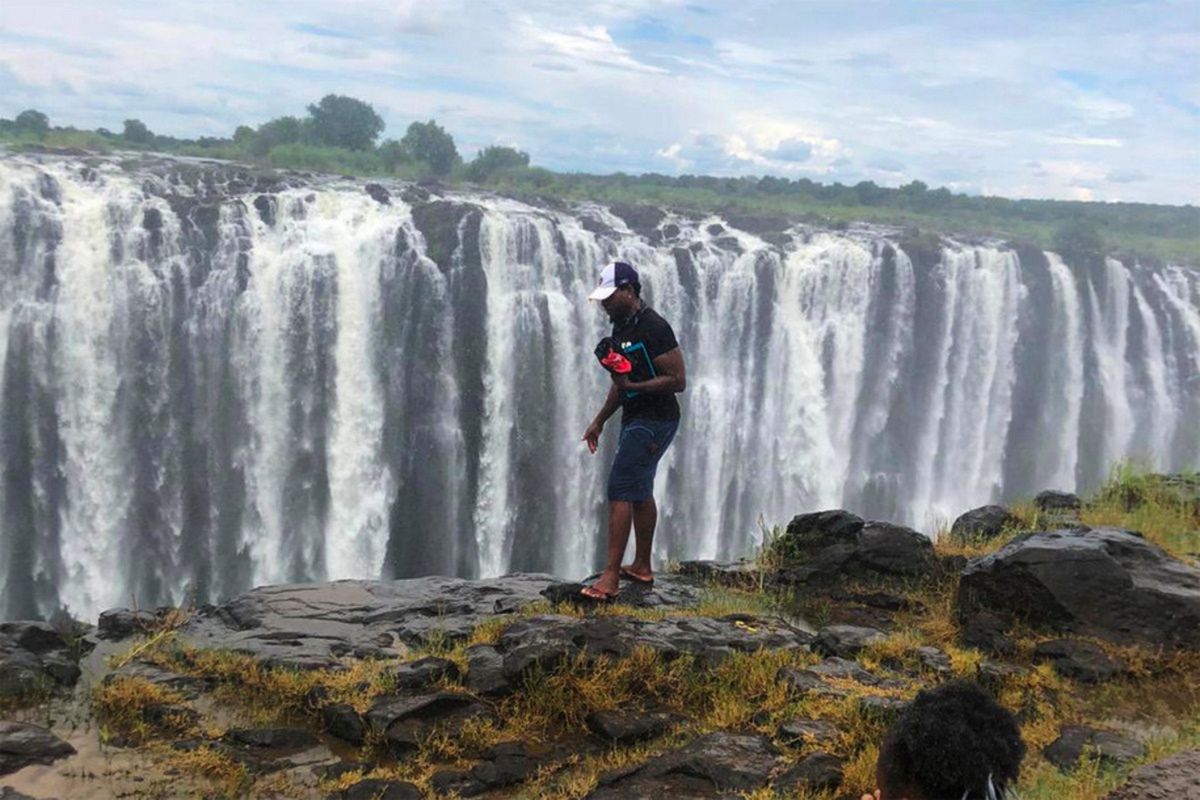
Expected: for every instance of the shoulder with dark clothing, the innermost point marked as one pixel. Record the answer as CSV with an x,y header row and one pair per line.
x,y
656,332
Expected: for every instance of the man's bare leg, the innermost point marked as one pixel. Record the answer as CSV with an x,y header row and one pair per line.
x,y
645,518
620,515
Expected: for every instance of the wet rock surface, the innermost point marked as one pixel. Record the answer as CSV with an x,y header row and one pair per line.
x,y
717,765
272,738
806,731
1168,779
1077,741
22,744
376,789
846,641
1082,661
817,772
1107,583
629,727
827,546
982,524
35,657
315,625
546,641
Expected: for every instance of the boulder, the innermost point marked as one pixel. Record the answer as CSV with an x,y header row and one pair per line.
x,y
1076,741
36,637
846,641
728,573
1054,500
1106,583
843,668
719,764
390,709
485,670
22,744
820,528
803,682
1169,779
825,546
994,674
378,194
406,720
1081,661
987,632
819,772
628,727
878,707
379,789
934,660
342,721
420,674
982,524
1059,510
273,738
807,731
34,657
893,549
456,782
505,764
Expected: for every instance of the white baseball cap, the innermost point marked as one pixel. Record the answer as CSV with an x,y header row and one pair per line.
x,y
613,277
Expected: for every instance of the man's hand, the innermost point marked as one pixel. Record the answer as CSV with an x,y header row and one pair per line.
x,y
592,436
621,380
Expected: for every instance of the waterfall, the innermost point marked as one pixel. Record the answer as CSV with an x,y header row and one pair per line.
x,y
214,378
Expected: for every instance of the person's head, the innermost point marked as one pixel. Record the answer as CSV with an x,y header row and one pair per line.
x,y
619,290
950,743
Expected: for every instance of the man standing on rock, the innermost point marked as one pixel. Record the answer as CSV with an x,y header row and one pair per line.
x,y
646,366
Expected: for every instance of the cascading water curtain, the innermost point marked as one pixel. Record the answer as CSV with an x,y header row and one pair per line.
x,y
209,384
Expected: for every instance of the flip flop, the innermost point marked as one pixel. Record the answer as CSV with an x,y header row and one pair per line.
x,y
596,595
636,578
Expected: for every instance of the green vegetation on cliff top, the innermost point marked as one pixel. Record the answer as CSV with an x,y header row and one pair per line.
x,y
339,135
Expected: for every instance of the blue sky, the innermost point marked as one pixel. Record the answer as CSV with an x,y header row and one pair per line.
x,y
1075,100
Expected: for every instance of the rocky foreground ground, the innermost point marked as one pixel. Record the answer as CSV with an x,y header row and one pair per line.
x,y
771,678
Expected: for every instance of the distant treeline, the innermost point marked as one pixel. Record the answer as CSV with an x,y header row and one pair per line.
x,y
341,135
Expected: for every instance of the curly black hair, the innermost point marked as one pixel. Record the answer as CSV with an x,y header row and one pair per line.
x,y
948,743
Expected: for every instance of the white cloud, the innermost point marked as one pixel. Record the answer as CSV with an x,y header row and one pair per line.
x,y
591,44
963,95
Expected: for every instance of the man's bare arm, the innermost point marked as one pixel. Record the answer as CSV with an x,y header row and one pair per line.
x,y
671,378
611,404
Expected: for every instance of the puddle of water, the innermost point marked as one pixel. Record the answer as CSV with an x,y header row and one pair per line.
x,y
98,772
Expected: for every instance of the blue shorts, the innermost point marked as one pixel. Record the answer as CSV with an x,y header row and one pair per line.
x,y
642,444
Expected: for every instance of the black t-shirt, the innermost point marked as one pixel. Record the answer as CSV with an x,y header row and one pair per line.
x,y
644,337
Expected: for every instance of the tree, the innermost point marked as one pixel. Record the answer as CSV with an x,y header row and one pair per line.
x,y
429,143
1079,237
494,159
282,130
32,122
243,135
136,132
339,121
392,154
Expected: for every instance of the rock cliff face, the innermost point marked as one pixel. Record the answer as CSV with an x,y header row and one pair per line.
x,y
213,378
